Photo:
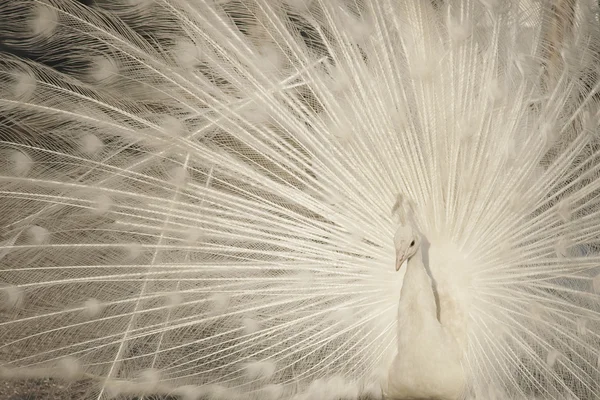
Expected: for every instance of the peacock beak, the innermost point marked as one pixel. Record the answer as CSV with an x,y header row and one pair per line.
x,y
400,258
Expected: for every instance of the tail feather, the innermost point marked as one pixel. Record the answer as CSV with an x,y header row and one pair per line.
x,y
195,196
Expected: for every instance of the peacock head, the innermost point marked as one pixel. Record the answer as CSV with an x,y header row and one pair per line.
x,y
406,241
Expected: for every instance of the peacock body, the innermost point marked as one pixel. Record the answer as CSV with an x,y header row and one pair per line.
x,y
196,196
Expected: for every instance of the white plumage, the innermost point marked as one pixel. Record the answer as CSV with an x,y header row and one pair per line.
x,y
429,357
195,196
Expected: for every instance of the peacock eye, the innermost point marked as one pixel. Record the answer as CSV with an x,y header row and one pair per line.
x,y
412,243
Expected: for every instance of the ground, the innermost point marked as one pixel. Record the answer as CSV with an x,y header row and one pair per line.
x,y
51,389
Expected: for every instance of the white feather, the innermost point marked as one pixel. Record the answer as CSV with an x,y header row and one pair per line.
x,y
70,369
260,370
133,251
12,297
90,144
250,325
150,379
92,308
188,392
103,70
272,392
220,302
174,299
37,234
101,204
44,20
18,163
190,186
23,85
552,358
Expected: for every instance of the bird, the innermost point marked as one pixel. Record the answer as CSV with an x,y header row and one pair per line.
x,y
428,361
195,198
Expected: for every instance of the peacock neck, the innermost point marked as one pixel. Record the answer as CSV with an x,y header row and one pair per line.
x,y
417,300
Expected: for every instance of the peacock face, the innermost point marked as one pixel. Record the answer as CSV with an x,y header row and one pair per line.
x,y
406,242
